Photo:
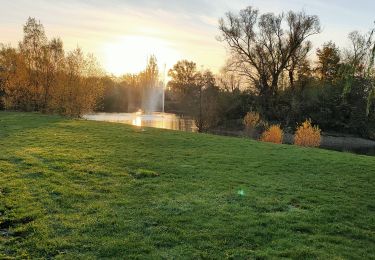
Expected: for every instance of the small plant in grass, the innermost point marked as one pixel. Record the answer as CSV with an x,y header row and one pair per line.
x,y
307,135
143,173
274,134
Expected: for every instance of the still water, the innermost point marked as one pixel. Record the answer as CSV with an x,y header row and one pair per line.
x,y
175,122
158,120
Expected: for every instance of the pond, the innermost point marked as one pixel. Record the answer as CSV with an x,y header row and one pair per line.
x,y
156,119
175,122
365,150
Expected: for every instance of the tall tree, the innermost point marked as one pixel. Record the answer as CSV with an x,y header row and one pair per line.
x,y
360,63
359,54
184,85
183,76
195,92
328,62
262,45
14,79
31,47
229,80
297,62
53,62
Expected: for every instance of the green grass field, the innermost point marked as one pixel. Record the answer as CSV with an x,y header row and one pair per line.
x,y
79,189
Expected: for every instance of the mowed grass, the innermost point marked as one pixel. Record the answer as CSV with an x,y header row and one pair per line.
x,y
78,189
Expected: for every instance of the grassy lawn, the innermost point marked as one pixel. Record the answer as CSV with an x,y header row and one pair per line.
x,y
80,189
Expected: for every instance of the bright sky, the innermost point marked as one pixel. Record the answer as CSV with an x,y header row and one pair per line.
x,y
123,33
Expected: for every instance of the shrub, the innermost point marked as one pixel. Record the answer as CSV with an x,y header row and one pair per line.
x,y
253,124
251,120
273,134
307,135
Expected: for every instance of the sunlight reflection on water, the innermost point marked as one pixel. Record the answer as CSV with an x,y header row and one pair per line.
x,y
157,120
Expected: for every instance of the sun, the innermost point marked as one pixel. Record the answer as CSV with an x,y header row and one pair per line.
x,y
129,54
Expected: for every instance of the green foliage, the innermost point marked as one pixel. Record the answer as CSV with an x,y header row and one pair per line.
x,y
370,101
66,192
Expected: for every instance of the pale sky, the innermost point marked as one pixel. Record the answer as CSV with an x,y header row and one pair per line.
x,y
123,33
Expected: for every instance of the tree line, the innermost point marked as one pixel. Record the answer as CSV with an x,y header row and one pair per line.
x,y
39,75
268,71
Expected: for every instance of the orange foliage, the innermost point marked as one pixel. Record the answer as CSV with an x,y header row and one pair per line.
x,y
273,134
307,135
251,120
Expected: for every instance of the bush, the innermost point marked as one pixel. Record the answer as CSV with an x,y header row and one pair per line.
x,y
253,124
251,120
273,134
307,135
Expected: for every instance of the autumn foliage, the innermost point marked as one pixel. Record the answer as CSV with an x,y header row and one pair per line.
x,y
251,120
40,76
273,134
307,135
254,125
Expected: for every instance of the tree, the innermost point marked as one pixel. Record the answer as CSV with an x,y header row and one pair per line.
x,y
360,64
262,45
328,63
53,63
207,115
359,55
297,62
195,93
229,81
14,80
183,76
184,89
32,47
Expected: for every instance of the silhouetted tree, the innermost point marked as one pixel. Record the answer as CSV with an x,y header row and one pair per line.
x,y
261,46
328,63
183,85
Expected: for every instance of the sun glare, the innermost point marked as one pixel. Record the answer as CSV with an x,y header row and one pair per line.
x,y
129,54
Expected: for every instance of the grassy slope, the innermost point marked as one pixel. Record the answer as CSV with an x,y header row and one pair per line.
x,y
68,189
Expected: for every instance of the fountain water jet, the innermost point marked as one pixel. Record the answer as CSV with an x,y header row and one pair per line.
x,y
151,113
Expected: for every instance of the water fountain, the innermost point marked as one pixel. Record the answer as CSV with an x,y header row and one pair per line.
x,y
151,113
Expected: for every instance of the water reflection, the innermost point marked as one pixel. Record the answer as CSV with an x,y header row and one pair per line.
x,y
158,120
137,121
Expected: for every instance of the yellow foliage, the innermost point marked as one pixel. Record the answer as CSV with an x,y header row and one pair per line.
x,y
273,134
307,135
251,120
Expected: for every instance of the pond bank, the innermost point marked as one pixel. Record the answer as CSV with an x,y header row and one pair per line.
x,y
330,141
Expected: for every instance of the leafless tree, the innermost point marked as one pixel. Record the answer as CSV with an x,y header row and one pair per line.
x,y
297,61
262,46
229,80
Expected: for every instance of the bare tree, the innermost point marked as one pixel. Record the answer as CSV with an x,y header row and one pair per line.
x,y
360,53
229,80
360,58
262,46
296,61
